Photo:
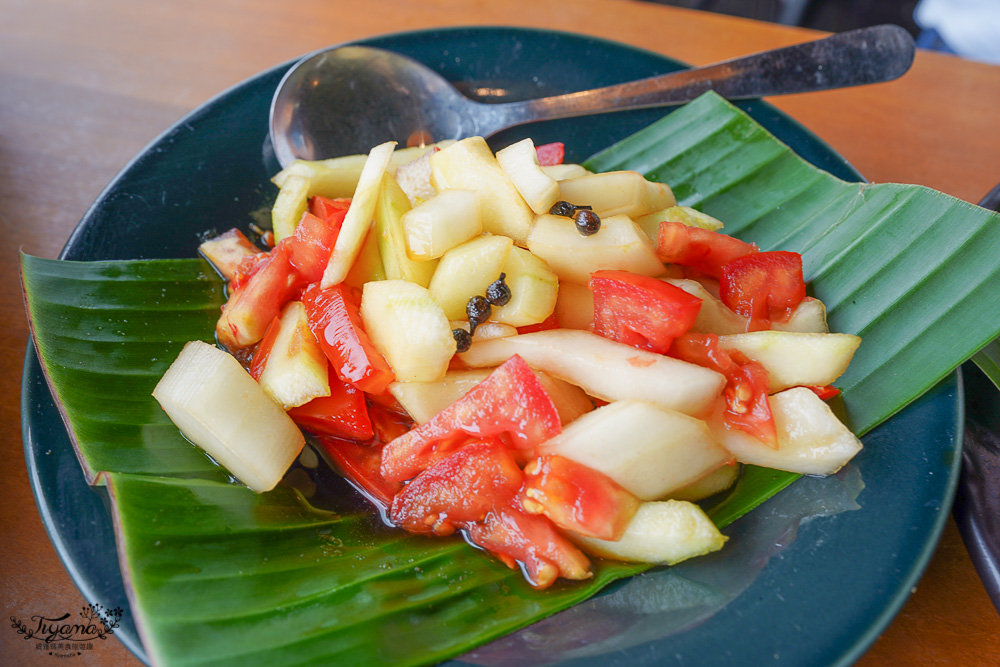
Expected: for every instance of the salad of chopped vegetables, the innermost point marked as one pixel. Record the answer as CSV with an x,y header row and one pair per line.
x,y
557,363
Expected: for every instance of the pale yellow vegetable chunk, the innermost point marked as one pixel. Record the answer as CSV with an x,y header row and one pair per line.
x,y
714,482
649,450
650,223
359,216
566,170
423,400
289,205
533,286
470,165
618,245
617,193
338,176
520,163
714,317
811,440
296,369
606,369
409,328
219,407
467,270
665,532
794,359
808,317
444,221
392,207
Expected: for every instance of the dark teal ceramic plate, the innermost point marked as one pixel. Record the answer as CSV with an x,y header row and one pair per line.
x,y
811,578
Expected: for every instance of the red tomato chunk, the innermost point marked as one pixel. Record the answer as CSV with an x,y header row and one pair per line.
x,y
514,535
476,489
746,384
250,309
310,246
264,283
360,463
698,248
578,498
344,412
460,488
510,402
640,311
550,154
335,321
765,287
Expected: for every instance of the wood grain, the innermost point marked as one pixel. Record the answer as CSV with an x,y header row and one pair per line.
x,y
85,86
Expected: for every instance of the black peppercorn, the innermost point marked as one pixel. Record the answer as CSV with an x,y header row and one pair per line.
x,y
563,208
587,222
498,293
478,309
463,339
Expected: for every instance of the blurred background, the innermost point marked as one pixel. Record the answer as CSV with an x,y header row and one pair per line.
x,y
828,15
968,28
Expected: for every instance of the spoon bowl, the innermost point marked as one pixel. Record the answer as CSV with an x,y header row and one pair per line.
x,y
389,96
386,95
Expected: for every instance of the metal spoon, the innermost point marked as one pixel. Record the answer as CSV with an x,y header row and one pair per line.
x,y
346,100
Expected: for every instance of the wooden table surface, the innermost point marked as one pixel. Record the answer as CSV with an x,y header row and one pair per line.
x,y
85,86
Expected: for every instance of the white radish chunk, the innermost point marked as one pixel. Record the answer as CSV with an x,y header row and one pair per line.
x,y
409,328
469,164
665,532
486,330
808,317
444,221
359,216
619,244
794,359
650,451
520,163
414,178
218,406
811,440
606,369
467,270
617,193
296,369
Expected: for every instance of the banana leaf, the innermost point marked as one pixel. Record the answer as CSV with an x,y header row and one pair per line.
x,y
988,360
306,575
107,332
194,541
912,271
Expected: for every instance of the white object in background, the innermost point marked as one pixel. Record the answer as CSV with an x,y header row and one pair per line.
x,y
970,27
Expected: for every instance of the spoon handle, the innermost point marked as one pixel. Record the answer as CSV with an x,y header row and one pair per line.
x,y
868,55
